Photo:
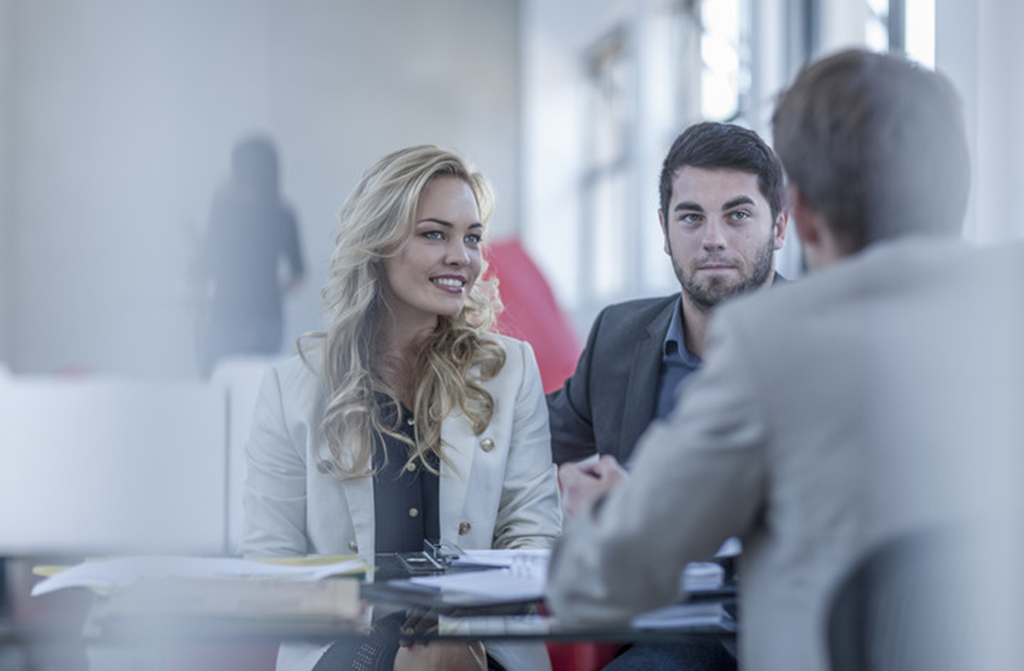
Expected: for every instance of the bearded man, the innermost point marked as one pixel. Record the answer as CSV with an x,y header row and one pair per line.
x,y
722,217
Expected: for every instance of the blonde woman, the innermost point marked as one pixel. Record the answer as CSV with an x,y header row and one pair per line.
x,y
407,419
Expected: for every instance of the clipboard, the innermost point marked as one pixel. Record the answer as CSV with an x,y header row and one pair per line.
x,y
394,584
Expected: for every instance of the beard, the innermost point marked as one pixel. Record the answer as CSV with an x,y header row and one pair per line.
x,y
707,294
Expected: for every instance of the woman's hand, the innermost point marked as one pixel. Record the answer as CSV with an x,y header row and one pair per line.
x,y
436,655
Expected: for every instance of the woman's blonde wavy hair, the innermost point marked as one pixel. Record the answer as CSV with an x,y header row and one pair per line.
x,y
376,222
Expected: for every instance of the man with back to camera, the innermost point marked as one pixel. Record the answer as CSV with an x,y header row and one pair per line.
x,y
877,398
721,212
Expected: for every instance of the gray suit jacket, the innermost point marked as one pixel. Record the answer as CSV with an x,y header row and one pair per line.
x,y
879,396
611,398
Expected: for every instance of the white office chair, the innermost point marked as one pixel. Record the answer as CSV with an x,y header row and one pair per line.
x,y
240,379
111,466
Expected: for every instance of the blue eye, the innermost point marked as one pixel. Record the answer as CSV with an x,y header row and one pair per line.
x,y
433,235
474,239
739,216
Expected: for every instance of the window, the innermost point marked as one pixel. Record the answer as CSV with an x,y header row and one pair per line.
x,y
906,26
605,237
695,61
725,60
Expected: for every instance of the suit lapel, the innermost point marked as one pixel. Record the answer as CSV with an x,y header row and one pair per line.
x,y
642,388
458,440
359,497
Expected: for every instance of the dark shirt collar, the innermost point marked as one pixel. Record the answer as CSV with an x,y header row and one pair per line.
x,y
674,345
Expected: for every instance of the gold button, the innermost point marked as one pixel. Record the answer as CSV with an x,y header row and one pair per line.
x,y
353,546
410,466
414,512
486,444
464,528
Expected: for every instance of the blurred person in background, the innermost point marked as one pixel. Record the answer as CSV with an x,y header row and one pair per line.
x,y
408,419
250,259
877,398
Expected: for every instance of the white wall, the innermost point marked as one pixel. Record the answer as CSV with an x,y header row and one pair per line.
x,y
8,258
125,114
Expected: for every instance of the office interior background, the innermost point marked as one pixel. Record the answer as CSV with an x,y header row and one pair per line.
x,y
117,120
118,117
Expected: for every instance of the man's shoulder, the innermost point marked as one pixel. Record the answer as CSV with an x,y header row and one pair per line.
x,y
631,318
639,307
904,269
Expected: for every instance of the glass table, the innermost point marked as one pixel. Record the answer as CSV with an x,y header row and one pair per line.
x,y
69,626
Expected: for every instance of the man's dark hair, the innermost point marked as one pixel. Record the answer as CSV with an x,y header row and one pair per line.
x,y
722,145
877,145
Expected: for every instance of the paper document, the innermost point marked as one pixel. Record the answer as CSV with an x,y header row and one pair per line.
x,y
124,571
703,576
525,573
732,547
519,575
503,558
686,615
499,585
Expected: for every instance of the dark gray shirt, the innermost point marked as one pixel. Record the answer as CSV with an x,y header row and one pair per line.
x,y
677,362
406,502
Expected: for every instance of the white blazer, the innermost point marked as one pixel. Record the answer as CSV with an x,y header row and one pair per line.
x,y
501,493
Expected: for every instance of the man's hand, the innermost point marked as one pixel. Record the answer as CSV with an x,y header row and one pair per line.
x,y
584,481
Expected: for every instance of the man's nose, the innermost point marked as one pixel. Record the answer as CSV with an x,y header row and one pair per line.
x,y
714,235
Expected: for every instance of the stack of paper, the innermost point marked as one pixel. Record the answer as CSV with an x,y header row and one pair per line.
x,y
703,577
498,585
504,558
687,616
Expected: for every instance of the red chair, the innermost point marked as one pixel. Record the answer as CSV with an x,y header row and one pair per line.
x,y
579,656
532,313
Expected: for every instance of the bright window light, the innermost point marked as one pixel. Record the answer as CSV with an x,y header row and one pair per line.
x,y
920,19
720,54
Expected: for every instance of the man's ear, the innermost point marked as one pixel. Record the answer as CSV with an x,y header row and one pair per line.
x,y
820,245
808,223
781,223
664,232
